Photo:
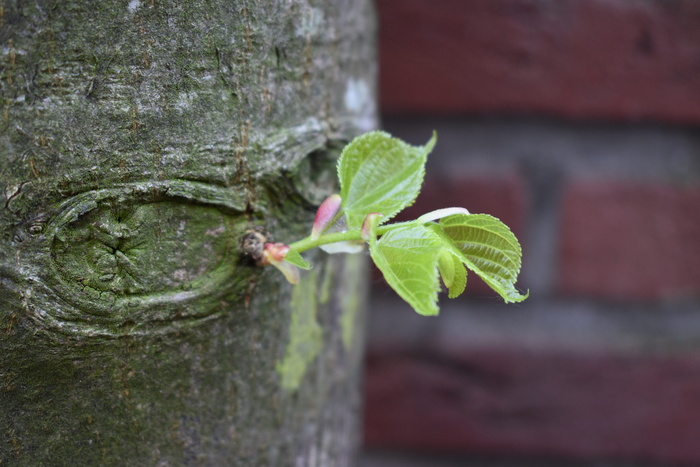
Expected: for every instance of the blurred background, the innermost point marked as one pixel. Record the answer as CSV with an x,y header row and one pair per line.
x,y
577,123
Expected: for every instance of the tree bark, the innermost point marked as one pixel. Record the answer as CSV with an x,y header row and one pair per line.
x,y
139,141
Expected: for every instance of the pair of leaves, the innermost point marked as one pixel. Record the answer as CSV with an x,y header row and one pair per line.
x,y
382,174
412,258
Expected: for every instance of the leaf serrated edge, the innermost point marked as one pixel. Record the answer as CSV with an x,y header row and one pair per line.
x,y
425,309
488,223
345,169
505,288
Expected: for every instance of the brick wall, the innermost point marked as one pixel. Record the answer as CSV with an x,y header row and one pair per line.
x,y
620,59
577,122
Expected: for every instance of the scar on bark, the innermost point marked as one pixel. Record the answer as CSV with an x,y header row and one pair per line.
x,y
252,245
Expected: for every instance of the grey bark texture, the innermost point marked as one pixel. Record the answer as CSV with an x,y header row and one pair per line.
x,y
139,141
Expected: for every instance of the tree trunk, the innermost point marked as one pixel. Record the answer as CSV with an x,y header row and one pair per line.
x,y
139,141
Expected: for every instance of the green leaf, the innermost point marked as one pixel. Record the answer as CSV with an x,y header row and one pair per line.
x,y
381,174
408,258
446,266
460,281
486,246
452,272
295,258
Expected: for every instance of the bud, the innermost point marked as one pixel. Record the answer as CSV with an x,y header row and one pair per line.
x,y
274,254
369,224
326,214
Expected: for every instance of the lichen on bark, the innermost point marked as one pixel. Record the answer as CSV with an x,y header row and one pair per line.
x,y
138,141
305,334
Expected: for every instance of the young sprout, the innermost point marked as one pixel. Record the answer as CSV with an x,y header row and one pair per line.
x,y
380,176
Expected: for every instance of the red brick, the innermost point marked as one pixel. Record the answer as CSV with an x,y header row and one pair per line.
x,y
518,403
611,59
503,197
630,241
